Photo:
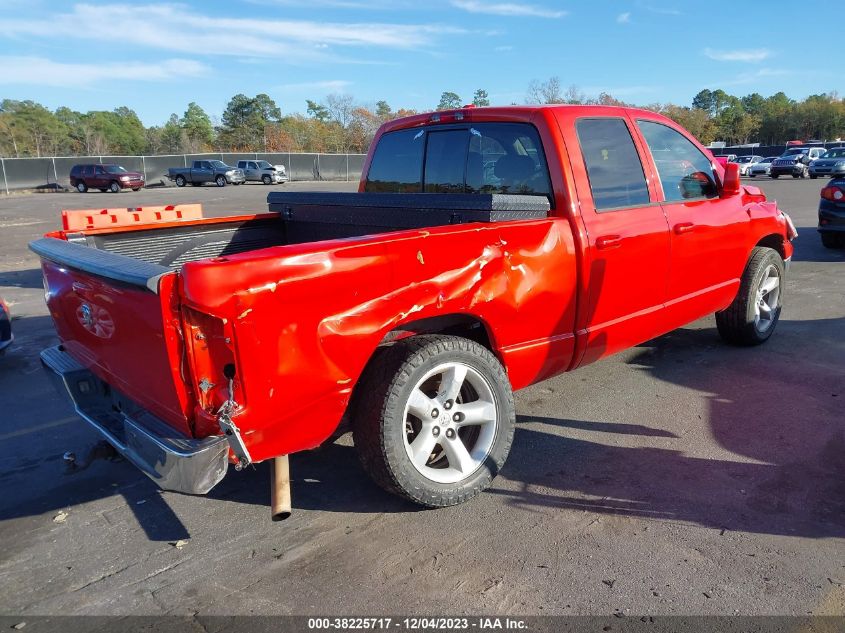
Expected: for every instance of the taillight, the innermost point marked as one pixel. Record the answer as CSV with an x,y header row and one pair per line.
x,y
834,193
210,344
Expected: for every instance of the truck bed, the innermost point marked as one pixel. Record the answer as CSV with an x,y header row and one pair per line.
x,y
296,218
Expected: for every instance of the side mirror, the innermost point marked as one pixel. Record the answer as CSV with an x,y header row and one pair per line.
x,y
731,185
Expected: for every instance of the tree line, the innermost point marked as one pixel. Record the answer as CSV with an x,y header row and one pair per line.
x,y
339,124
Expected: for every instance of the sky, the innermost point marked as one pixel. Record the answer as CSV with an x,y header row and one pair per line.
x,y
156,57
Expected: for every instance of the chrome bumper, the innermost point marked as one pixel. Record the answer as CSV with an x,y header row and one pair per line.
x,y
172,461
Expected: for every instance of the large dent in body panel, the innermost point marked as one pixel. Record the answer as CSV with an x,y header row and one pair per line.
x,y
307,323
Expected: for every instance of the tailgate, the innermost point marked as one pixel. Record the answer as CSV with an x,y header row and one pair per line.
x,y
119,317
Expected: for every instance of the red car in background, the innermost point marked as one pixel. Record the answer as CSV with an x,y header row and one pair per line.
x,y
107,177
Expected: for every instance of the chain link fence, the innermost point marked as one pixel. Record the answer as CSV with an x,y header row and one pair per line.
x,y
53,172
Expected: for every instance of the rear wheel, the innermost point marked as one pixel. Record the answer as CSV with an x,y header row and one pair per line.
x,y
81,187
114,187
434,419
754,313
180,181
136,189
774,176
832,240
221,181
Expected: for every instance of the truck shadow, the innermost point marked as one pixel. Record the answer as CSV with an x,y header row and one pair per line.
x,y
777,422
808,248
29,278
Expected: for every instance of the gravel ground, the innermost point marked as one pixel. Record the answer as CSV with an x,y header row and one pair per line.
x,y
679,477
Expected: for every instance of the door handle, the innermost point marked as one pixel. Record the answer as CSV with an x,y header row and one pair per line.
x,y
684,227
608,241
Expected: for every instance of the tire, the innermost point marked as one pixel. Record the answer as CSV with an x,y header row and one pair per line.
x,y
136,189
81,187
832,240
180,181
385,425
774,176
752,317
220,181
266,179
114,186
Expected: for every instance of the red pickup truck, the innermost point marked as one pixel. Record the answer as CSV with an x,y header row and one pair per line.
x,y
487,249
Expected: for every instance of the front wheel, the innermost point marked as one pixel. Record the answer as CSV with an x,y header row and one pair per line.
x,y
434,419
754,313
221,181
266,179
136,189
114,187
813,176
180,181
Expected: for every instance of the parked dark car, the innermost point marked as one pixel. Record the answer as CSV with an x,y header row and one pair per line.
x,y
795,162
832,214
831,163
106,177
6,337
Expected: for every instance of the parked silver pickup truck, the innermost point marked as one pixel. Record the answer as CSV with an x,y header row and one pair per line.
x,y
203,171
262,171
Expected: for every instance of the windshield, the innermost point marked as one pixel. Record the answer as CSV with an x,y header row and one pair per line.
x,y
263,164
218,164
836,152
769,159
745,159
114,169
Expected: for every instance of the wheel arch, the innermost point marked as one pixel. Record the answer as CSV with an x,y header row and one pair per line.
x,y
773,241
468,326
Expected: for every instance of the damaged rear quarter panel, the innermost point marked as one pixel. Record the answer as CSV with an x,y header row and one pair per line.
x,y
308,317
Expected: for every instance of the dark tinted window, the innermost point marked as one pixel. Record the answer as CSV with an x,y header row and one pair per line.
x,y
482,158
613,165
445,160
397,163
685,172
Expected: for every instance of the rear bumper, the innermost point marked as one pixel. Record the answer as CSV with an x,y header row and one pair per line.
x,y
172,461
831,217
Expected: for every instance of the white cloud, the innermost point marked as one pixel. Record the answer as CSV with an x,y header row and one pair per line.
x,y
507,9
624,18
334,85
180,28
754,55
757,76
659,10
40,71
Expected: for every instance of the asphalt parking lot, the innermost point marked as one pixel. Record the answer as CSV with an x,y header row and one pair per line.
x,y
679,477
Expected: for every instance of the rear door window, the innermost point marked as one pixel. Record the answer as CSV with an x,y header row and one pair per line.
x,y
617,180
